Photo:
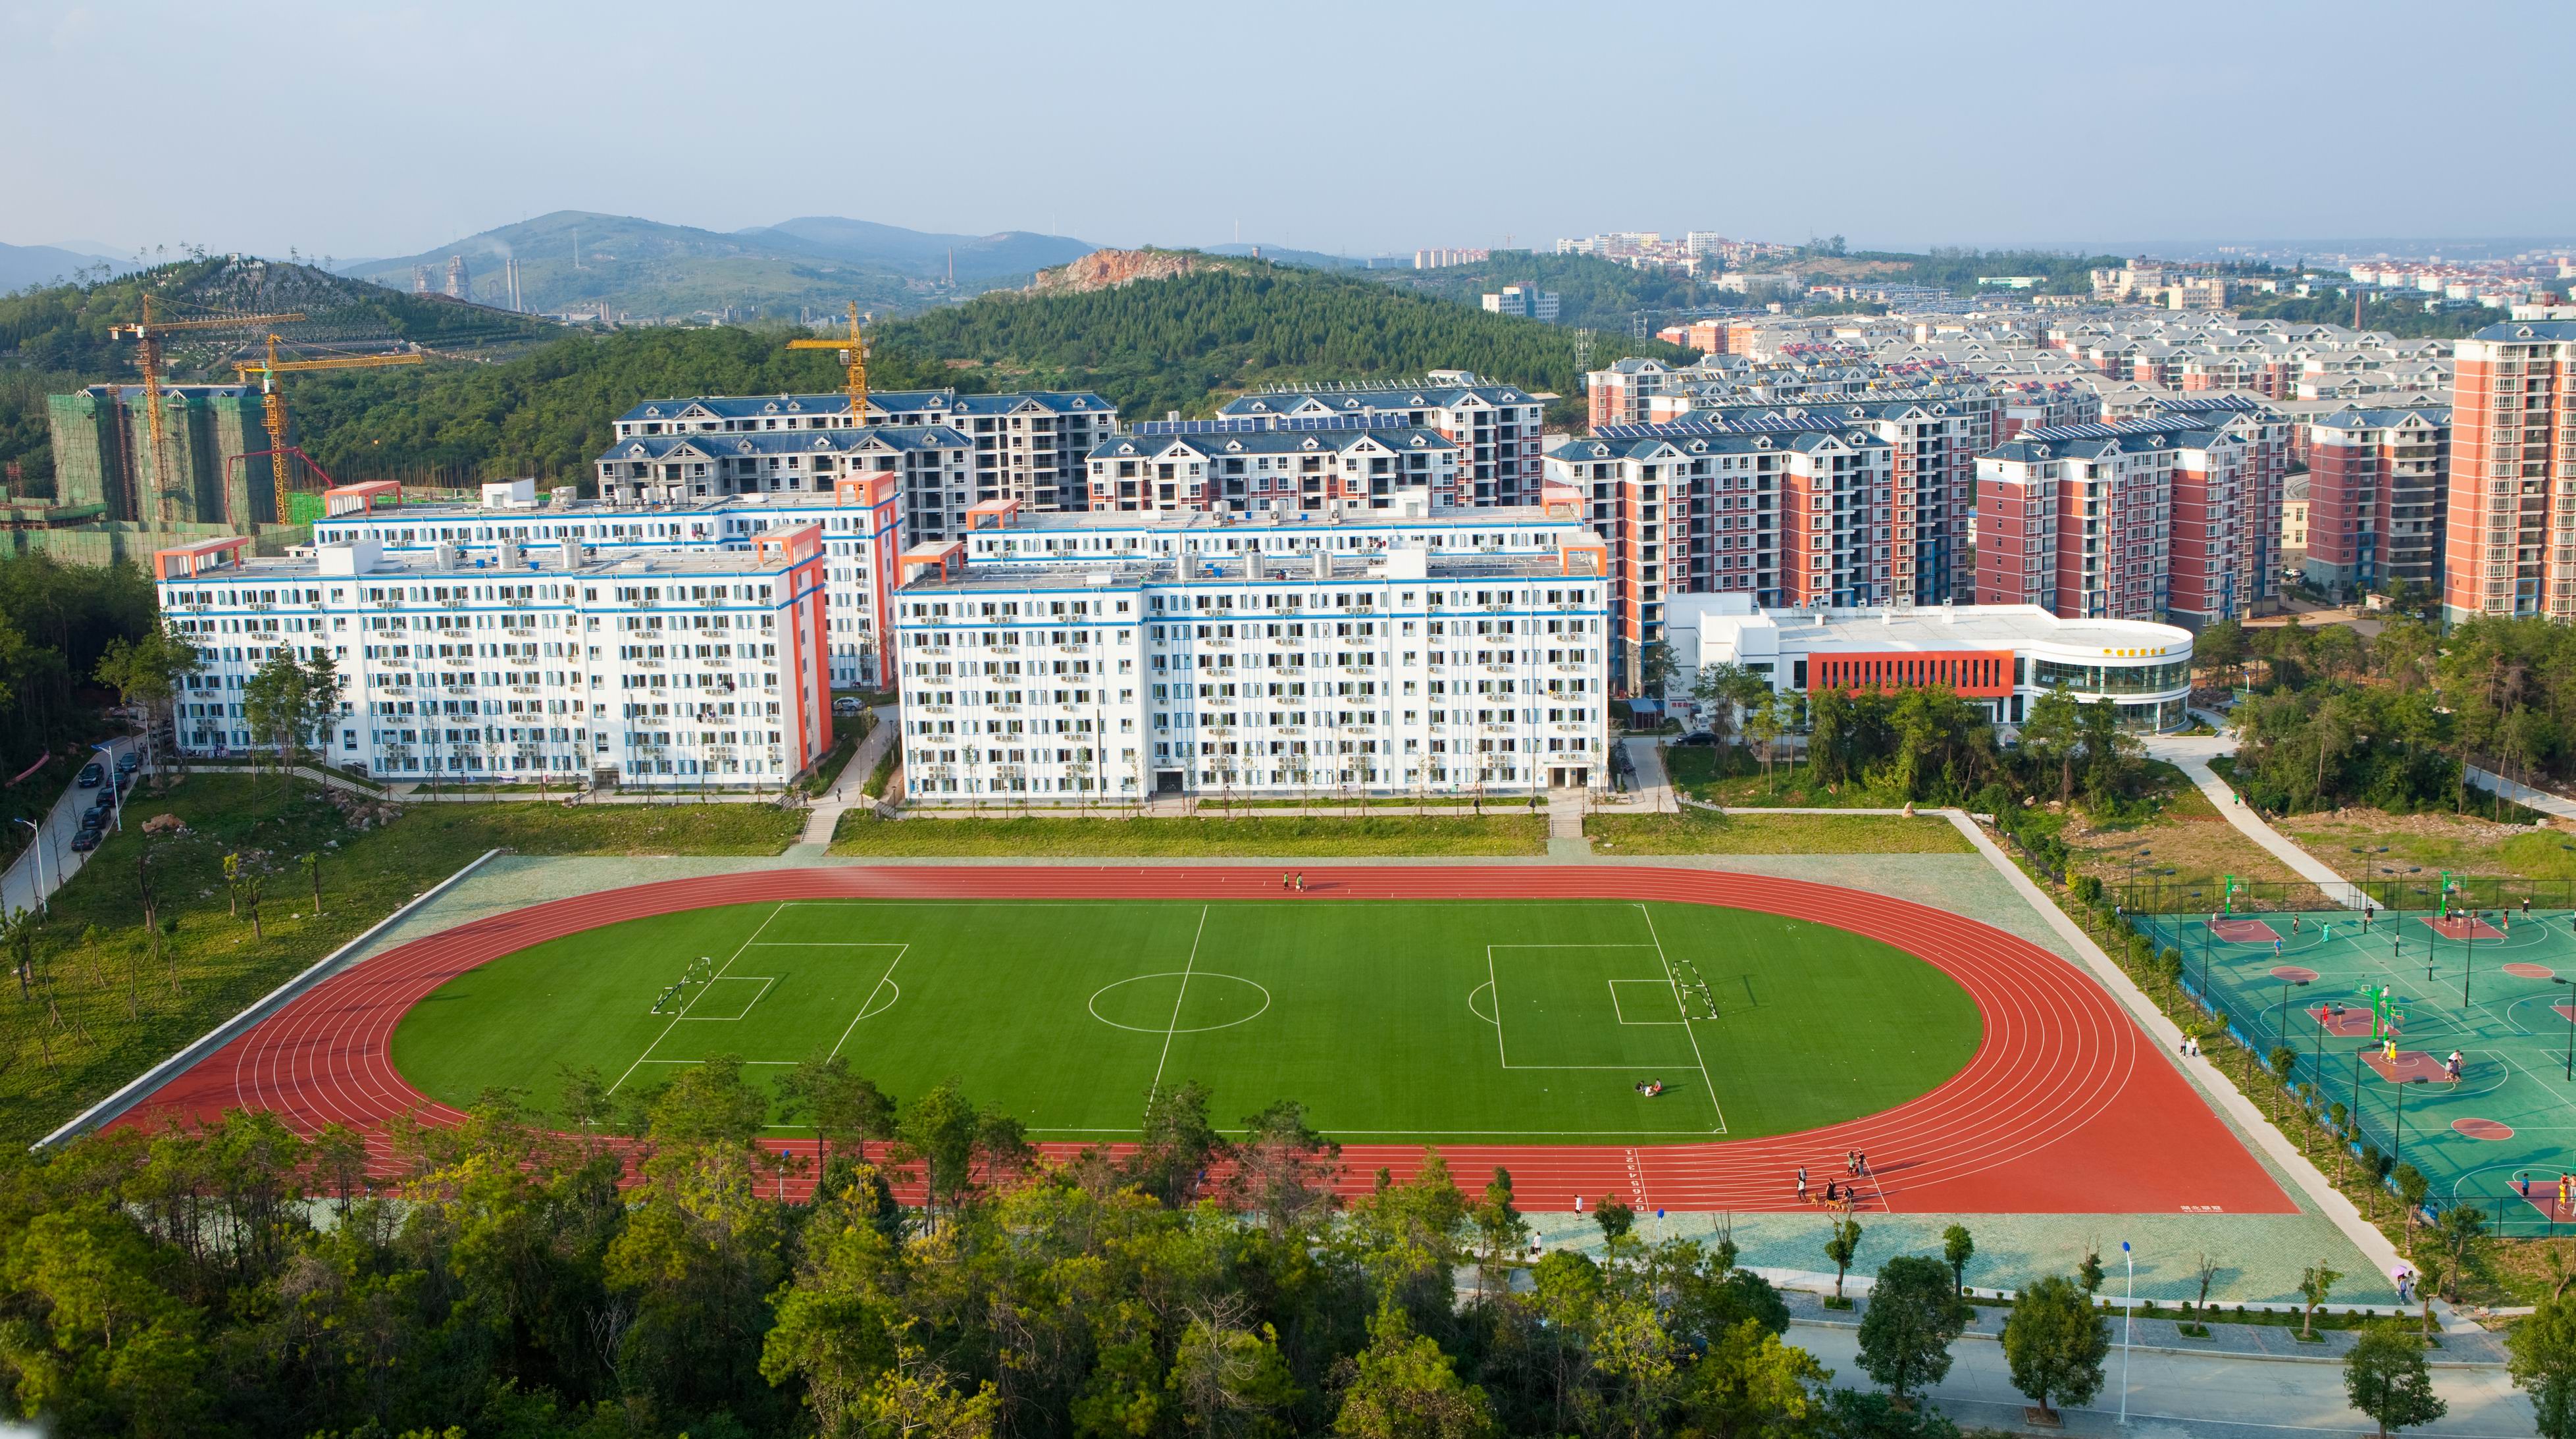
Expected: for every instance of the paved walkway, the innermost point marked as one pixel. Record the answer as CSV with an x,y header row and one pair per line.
x,y
1654,786
2555,806
2189,1396
2191,754
43,867
851,788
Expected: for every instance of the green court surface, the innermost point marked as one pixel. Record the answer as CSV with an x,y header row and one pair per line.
x,y
1532,1021
2492,992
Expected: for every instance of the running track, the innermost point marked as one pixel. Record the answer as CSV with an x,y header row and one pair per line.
x,y
2066,1107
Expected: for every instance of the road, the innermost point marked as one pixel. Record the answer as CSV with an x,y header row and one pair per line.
x,y
19,888
2192,1396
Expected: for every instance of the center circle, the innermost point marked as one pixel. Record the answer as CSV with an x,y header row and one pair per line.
x,y
1175,1002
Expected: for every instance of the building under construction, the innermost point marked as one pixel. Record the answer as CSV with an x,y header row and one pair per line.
x,y
103,456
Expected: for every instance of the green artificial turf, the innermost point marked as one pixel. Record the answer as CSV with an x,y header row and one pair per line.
x,y
1379,1016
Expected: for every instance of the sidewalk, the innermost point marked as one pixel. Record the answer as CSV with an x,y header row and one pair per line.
x,y
2541,800
2191,755
825,815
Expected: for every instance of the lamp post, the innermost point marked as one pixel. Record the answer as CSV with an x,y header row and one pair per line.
x,y
2128,1324
2281,1028
2397,1147
37,835
115,792
2569,1009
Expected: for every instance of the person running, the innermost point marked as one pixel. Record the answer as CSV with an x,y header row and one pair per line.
x,y
2325,932
2294,922
1283,879
2451,1066
2276,949
1301,881
2388,1050
1802,1186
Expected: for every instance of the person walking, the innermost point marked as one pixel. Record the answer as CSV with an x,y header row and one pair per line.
x,y
1802,1186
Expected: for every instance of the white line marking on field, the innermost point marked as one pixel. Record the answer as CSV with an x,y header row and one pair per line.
x,y
900,950
684,1012
1667,963
1174,1027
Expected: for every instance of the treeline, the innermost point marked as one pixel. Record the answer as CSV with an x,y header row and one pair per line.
x,y
1592,293
56,620
2064,273
2404,319
639,1276
2336,718
1187,343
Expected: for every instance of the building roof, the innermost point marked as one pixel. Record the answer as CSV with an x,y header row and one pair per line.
x,y
744,407
872,439
1931,629
1298,569
2528,331
1404,439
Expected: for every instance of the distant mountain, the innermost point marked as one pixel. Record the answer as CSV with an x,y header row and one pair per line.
x,y
576,262
1013,253
24,265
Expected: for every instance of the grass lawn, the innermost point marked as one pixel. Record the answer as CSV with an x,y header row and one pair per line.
x,y
1285,837
1731,775
2183,833
122,1012
1517,1020
1699,831
2426,844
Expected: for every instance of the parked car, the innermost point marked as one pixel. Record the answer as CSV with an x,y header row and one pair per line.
x,y
95,819
129,762
92,775
87,840
848,705
1697,737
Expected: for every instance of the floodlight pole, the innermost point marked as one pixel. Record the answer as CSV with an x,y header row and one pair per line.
x,y
2128,1325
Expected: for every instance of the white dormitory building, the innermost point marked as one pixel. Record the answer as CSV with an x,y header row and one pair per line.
x,y
690,670
1496,427
1387,672
862,537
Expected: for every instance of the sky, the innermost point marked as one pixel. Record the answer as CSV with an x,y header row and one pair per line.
x,y
376,129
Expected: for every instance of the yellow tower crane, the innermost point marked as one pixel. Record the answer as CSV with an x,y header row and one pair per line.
x,y
854,353
147,336
273,404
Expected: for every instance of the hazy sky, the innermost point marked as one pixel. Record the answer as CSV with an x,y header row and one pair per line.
x,y
381,129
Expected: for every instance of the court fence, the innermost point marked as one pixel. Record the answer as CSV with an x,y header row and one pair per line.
x,y
2422,891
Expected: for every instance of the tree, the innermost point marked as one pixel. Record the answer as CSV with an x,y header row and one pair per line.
x,y
2055,1343
2051,734
1500,1230
2458,1230
1614,1217
2284,1063
149,672
842,1106
1283,1168
1403,1387
1654,669
2089,1273
2387,1379
1842,1245
1749,1383
2220,648
1726,688
2540,1353
1764,724
1914,1314
312,862
2314,1286
1957,1248
1177,1145
2412,1186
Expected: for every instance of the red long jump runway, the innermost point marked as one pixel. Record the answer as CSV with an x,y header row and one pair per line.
x,y
2065,1107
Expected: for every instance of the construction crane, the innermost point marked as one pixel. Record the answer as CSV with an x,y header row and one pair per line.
x,y
854,353
272,402
147,337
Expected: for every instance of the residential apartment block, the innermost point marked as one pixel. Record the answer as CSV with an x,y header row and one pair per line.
x,y
2134,520
1496,427
2376,486
1236,468
700,671
1392,673
2509,541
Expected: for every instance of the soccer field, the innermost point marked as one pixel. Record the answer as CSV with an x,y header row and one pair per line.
x,y
1532,1021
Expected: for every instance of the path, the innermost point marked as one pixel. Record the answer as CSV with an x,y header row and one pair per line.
x,y
825,815
2191,754
2541,800
1654,785
2189,1396
22,887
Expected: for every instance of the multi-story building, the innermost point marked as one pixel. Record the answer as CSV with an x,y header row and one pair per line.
x,y
2375,487
931,466
1026,447
696,670
2132,520
855,517
1392,673
1999,657
1355,467
1529,302
1496,427
2509,541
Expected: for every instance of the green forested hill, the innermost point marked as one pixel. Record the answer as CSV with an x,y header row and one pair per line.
x,y
1591,293
1179,344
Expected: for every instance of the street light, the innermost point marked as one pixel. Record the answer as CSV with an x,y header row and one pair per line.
x,y
36,845
2569,1010
115,794
2282,1027
2128,1324
2397,1147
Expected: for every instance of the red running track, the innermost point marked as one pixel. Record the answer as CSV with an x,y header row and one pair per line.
x,y
2066,1108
